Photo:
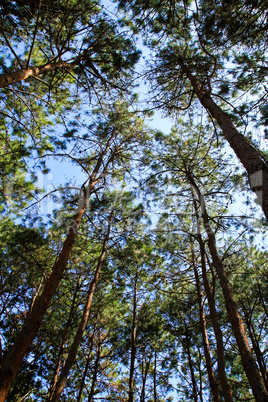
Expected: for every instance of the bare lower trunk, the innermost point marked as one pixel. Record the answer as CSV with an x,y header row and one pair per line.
x,y
79,334
188,350
248,362
211,375
254,163
144,377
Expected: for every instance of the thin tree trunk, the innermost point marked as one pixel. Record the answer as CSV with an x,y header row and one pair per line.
x,y
133,342
33,321
79,334
211,375
254,163
248,362
257,350
95,373
155,362
87,364
144,377
225,385
188,349
63,341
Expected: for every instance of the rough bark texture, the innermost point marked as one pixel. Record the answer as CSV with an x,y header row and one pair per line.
x,y
79,334
211,375
248,362
33,321
254,163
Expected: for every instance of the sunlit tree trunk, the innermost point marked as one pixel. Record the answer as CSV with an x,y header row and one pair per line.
x,y
254,163
248,362
211,375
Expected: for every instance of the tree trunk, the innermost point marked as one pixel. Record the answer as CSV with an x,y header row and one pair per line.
x,y
87,364
63,341
254,163
225,385
79,334
133,342
155,362
248,362
211,375
33,321
95,373
194,385
257,350
144,377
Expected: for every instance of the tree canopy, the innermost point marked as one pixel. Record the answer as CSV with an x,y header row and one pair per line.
x,y
140,273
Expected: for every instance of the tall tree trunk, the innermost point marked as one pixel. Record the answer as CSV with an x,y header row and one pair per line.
x,y
188,349
133,341
211,375
95,373
33,321
155,363
64,337
225,385
87,363
257,349
79,334
248,362
254,163
144,377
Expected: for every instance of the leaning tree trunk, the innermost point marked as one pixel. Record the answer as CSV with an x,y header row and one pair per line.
x,y
79,334
33,321
248,361
255,165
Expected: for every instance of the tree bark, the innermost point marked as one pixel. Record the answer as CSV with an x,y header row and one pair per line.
x,y
21,75
79,334
225,385
211,375
254,163
194,385
248,362
33,321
